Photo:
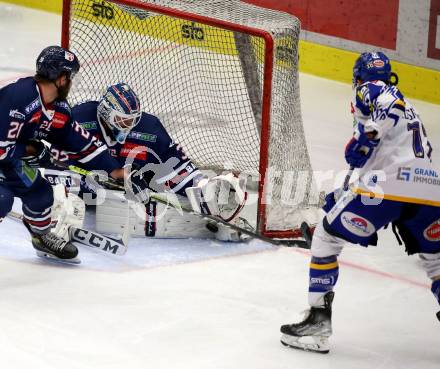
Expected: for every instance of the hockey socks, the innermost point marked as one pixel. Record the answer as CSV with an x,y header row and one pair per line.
x,y
323,276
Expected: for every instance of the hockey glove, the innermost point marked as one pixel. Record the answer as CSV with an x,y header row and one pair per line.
x,y
360,148
136,187
332,198
42,157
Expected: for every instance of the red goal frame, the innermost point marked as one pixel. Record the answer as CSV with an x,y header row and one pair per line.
x,y
266,96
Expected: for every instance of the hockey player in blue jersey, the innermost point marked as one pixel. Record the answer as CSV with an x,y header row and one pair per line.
x,y
390,148
139,139
34,109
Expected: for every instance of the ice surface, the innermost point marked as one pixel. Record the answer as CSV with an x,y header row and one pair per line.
x,y
201,304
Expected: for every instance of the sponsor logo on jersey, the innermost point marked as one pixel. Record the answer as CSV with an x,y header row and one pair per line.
x,y
403,174
132,150
418,175
432,233
16,114
426,172
32,106
357,225
89,125
142,136
59,120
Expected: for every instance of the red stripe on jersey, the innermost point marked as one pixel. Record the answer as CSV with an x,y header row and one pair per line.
x,y
135,151
83,154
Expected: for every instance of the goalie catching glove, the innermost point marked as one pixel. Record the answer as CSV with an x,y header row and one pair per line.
x,y
222,196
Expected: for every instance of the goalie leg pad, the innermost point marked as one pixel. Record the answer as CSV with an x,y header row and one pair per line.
x,y
152,220
68,210
223,196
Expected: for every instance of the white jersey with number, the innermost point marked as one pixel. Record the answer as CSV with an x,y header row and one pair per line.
x,y
400,167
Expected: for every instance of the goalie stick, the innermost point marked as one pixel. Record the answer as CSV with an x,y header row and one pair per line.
x,y
89,238
114,184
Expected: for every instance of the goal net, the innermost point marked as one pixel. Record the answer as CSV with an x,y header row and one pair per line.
x,y
222,76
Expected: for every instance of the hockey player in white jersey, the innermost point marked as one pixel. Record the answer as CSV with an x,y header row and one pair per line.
x,y
398,185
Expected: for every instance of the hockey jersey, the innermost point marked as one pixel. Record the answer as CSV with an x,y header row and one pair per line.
x,y
401,166
24,116
148,146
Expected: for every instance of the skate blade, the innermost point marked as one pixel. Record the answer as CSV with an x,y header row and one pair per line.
x,y
50,257
316,344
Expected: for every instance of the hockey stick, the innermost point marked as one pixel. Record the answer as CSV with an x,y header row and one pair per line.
x,y
88,238
164,200
347,178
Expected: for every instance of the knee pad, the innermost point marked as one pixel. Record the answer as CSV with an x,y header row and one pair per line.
x,y
324,244
431,264
6,201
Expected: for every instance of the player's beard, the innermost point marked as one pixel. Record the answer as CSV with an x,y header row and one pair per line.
x,y
63,91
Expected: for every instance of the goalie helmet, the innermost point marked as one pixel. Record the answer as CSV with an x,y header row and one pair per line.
x,y
53,61
372,67
119,109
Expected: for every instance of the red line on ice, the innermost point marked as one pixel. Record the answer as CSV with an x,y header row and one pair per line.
x,y
376,272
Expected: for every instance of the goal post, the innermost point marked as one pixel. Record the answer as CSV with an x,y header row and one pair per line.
x,y
221,75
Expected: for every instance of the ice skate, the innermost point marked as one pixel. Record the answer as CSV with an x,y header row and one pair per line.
x,y
52,247
313,332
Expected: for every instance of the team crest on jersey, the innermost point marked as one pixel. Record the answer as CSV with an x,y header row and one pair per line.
x,y
432,233
357,225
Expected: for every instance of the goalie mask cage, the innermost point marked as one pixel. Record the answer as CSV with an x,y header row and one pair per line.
x,y
221,75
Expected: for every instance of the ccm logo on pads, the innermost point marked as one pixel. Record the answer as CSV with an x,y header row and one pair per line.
x,y
357,225
432,233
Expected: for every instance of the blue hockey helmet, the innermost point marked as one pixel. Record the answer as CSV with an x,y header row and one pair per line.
x,y
120,109
372,67
53,61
